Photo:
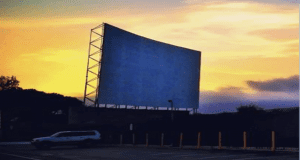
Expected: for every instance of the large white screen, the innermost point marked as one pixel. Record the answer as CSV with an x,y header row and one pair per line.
x,y
139,71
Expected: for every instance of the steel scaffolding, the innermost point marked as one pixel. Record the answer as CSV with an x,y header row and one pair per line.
x,y
94,63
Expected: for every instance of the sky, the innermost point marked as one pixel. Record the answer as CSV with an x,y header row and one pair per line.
x,y
250,49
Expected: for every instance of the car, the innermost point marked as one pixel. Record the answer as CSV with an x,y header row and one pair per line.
x,y
79,138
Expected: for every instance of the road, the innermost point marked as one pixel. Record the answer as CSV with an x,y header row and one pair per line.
x,y
28,152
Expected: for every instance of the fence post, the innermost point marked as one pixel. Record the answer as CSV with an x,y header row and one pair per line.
x,y
273,141
181,136
121,139
146,139
198,142
220,144
133,140
162,139
245,139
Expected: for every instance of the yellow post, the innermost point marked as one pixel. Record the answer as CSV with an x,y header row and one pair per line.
x,y
273,142
220,144
245,139
181,136
198,143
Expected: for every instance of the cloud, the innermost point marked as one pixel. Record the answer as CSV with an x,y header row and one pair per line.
x,y
260,66
219,29
46,22
291,48
282,34
213,108
227,99
223,95
290,84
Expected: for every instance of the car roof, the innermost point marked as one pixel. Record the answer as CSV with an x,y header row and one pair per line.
x,y
77,131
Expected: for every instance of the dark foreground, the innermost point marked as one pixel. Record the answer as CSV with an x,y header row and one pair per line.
x,y
102,152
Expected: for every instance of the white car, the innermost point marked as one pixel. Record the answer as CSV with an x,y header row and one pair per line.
x,y
79,138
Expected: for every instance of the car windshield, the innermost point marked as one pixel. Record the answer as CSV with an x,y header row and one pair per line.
x,y
55,134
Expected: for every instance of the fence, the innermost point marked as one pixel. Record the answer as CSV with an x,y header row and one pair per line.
x,y
221,139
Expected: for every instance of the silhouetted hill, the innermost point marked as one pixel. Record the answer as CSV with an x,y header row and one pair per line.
x,y
32,108
34,98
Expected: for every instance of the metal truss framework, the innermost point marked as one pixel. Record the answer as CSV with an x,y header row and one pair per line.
x,y
89,72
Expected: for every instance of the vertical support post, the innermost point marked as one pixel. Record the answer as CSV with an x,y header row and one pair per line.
x,y
121,139
147,143
181,137
126,106
220,140
245,139
250,139
133,140
162,140
105,105
198,142
273,142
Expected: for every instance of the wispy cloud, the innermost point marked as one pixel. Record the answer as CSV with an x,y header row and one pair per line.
x,y
227,99
46,22
224,94
290,84
291,48
281,34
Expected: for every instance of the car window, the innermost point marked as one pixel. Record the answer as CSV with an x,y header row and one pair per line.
x,y
60,135
86,133
75,134
70,134
82,134
91,133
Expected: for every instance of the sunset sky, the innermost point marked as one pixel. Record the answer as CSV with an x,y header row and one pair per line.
x,y
250,49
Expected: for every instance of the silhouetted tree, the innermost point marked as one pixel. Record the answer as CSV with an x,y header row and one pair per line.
x,y
8,82
250,109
